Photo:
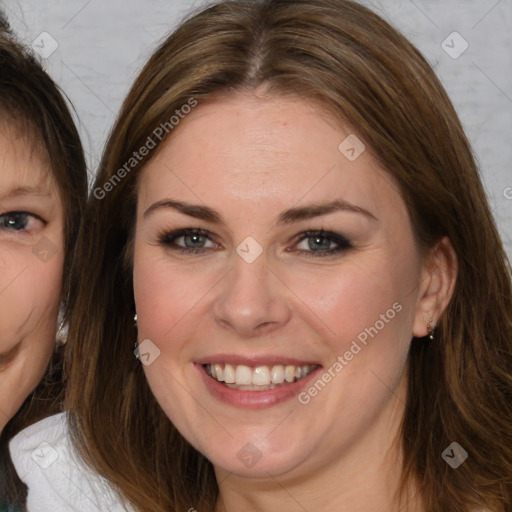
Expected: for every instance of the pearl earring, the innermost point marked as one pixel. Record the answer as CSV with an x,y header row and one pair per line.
x,y
430,329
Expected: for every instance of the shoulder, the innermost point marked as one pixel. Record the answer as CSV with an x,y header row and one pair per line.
x,y
57,478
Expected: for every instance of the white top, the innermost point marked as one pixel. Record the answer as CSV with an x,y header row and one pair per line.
x,y
57,478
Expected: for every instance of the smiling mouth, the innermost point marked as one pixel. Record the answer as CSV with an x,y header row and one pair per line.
x,y
258,378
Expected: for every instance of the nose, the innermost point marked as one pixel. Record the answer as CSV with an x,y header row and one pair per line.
x,y
251,300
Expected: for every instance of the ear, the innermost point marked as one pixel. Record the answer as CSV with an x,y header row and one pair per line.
x,y
438,278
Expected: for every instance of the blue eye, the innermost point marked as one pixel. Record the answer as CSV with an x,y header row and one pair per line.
x,y
15,221
188,240
197,241
322,243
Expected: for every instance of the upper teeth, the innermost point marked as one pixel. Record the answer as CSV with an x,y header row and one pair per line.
x,y
242,375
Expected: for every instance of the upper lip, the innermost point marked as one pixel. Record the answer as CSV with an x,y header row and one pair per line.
x,y
262,360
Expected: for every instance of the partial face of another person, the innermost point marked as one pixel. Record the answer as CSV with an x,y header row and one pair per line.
x,y
31,260
266,259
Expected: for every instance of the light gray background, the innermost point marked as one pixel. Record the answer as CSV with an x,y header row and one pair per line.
x,y
102,45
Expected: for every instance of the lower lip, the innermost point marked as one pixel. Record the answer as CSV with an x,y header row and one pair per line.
x,y
254,399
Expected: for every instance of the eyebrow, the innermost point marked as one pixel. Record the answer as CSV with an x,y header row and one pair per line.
x,y
289,216
26,191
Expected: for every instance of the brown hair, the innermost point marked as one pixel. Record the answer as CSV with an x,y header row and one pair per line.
x,y
347,59
31,104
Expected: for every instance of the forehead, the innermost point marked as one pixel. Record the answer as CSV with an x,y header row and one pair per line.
x,y
268,152
23,159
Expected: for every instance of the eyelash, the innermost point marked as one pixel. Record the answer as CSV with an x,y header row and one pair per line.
x,y
26,215
167,239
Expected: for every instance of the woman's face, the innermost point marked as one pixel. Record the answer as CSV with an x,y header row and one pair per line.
x,y
31,259
298,284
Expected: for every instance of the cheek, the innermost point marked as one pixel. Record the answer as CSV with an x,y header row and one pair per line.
x,y
167,294
30,299
352,297
367,307
28,314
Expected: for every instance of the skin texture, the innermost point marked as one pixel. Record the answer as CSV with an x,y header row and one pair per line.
x,y
30,283
250,158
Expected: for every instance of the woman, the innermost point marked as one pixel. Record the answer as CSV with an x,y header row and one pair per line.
x,y
43,187
289,209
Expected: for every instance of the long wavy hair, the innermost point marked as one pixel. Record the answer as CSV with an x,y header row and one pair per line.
x,y
345,58
33,105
